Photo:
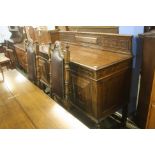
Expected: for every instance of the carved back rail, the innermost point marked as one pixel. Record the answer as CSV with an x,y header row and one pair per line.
x,y
103,29
103,41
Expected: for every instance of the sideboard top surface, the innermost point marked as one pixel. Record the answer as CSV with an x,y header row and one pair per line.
x,y
95,59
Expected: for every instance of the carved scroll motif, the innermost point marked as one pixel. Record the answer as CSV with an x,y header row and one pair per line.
x,y
86,39
114,43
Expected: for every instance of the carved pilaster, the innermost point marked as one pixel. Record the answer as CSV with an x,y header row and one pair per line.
x,y
37,63
50,74
66,75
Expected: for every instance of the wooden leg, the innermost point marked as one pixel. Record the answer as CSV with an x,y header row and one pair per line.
x,y
98,125
38,83
2,73
9,65
52,95
124,115
66,102
41,85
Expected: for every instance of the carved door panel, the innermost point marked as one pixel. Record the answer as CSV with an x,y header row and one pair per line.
x,y
81,89
44,71
114,91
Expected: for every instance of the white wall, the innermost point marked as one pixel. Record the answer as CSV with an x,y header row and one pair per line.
x,y
4,33
51,27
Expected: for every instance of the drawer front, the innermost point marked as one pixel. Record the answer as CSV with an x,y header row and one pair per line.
x,y
117,67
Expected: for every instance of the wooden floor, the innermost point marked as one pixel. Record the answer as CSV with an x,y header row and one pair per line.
x,y
23,106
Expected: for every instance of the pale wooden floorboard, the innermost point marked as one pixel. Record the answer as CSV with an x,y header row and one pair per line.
x,y
24,105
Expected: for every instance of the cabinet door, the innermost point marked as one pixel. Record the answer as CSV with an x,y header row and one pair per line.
x,y
81,92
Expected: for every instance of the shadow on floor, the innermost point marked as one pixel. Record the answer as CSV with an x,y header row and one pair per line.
x,y
111,122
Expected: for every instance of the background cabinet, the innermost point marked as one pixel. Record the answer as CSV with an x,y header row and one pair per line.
x,y
146,108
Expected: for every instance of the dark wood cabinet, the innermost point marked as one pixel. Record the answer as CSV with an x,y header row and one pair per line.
x,y
145,109
99,92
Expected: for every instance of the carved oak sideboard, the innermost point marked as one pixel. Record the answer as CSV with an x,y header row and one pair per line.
x,y
100,67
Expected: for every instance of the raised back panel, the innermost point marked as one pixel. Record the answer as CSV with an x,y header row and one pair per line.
x,y
57,72
54,35
103,41
103,29
43,36
30,32
31,60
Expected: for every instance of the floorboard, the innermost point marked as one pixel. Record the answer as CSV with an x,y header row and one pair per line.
x,y
24,105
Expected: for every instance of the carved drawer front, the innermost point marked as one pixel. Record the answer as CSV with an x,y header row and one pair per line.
x,y
113,69
81,92
44,70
